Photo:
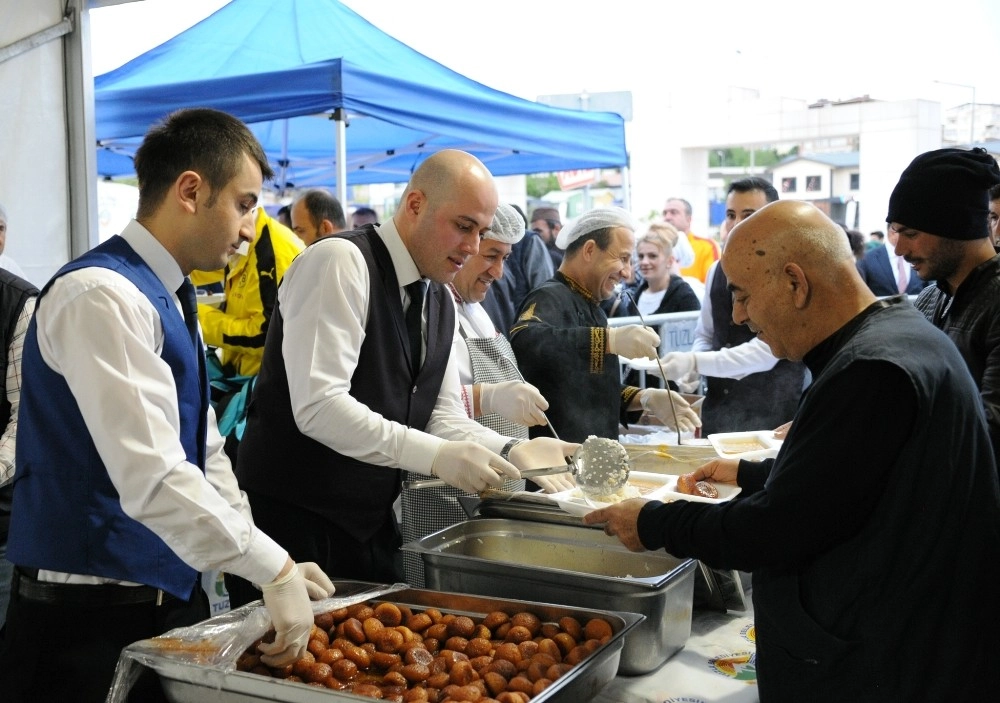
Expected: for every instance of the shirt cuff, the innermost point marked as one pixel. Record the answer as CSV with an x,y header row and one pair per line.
x,y
262,562
418,451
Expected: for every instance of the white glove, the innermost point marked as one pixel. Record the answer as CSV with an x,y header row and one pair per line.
x,y
656,402
318,584
521,403
633,342
555,483
677,365
690,383
470,467
287,602
541,452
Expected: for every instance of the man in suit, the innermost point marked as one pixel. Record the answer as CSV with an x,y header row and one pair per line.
x,y
886,273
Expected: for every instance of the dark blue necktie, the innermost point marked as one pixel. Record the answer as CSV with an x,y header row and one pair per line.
x,y
413,322
189,306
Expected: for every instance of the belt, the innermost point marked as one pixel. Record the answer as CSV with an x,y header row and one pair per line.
x,y
96,595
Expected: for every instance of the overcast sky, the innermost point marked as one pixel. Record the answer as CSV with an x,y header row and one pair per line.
x,y
692,50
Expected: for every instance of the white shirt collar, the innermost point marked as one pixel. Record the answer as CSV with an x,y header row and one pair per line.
x,y
402,262
154,254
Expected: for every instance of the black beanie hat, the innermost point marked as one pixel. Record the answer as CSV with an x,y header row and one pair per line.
x,y
946,193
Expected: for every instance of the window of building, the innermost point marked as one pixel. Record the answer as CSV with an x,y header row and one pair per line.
x,y
855,181
789,185
813,183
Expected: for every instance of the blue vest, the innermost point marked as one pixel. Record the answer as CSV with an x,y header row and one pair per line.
x,y
67,514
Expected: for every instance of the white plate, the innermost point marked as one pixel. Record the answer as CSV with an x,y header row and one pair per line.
x,y
760,444
726,492
574,502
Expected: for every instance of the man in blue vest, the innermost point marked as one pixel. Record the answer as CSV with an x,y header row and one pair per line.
x,y
122,492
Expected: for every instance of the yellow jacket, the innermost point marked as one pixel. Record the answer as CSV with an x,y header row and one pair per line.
x,y
239,325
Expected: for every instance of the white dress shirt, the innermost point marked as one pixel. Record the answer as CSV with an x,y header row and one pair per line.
x,y
476,324
733,362
102,334
324,307
8,442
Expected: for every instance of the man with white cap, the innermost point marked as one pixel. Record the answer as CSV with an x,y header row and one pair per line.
x,y
492,390
566,348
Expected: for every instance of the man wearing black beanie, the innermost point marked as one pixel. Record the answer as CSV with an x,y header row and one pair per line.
x,y
939,208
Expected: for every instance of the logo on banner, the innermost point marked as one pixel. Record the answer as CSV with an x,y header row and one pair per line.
x,y
749,633
741,666
684,699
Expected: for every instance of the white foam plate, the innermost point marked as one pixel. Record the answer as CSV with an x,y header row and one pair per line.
x,y
726,492
760,444
651,486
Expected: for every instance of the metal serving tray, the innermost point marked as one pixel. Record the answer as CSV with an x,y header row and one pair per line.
x,y
572,565
185,682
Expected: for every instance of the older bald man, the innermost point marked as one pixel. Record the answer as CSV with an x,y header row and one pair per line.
x,y
872,534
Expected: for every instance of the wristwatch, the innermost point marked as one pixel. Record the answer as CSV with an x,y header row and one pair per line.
x,y
507,448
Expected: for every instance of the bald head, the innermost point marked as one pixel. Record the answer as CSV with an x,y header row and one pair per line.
x,y
446,171
793,277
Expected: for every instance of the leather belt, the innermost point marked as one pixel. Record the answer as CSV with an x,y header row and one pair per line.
x,y
94,595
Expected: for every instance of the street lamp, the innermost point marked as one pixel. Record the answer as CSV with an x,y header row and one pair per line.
x,y
972,118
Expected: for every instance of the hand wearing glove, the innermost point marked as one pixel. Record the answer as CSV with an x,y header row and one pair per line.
x,y
690,383
287,602
318,584
633,342
521,403
541,452
470,467
656,402
677,365
555,483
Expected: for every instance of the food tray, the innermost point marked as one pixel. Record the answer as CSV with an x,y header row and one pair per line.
x,y
760,444
186,682
574,565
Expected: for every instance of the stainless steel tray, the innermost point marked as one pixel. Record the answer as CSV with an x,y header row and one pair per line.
x,y
572,565
185,682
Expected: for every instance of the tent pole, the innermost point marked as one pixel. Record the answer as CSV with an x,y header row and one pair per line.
x,y
283,184
339,116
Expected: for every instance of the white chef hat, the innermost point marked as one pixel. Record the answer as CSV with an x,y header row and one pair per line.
x,y
592,221
508,225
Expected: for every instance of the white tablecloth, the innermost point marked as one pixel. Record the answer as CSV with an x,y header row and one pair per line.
x,y
716,664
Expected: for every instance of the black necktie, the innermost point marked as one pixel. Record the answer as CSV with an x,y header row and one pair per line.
x,y
189,306
413,323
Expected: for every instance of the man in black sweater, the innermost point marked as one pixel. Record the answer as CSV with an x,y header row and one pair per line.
x,y
873,535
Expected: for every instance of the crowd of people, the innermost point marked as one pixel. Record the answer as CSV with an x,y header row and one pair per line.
x,y
463,341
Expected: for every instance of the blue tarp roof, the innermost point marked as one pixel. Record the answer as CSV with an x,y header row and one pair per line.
x,y
277,65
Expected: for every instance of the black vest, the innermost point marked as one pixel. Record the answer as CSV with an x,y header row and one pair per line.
x,y
760,401
14,292
277,460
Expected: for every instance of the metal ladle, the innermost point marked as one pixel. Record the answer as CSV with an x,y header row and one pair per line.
x,y
593,475
673,410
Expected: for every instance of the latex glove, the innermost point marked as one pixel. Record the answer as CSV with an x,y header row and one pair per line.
x,y
541,452
677,365
470,467
555,483
656,402
287,602
521,403
690,383
633,342
318,584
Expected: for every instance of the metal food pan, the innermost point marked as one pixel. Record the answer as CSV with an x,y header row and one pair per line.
x,y
184,682
571,565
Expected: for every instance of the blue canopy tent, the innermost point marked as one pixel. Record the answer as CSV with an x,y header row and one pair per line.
x,y
335,100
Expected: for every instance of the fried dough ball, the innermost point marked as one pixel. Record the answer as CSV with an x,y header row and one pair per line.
x,y
527,620
597,629
389,614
